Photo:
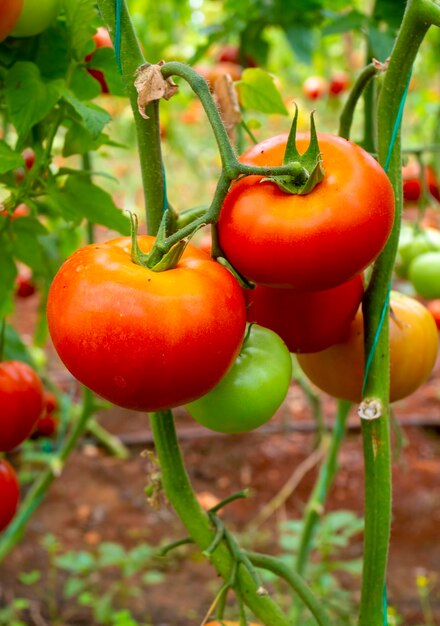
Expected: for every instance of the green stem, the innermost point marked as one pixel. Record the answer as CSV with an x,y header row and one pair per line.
x,y
363,80
147,130
272,564
318,496
2,337
36,493
376,432
106,439
181,495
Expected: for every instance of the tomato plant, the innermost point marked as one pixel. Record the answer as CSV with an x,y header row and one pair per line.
x,y
315,87
424,273
101,39
9,14
142,339
339,370
412,185
434,308
21,401
252,390
308,321
9,493
35,17
312,241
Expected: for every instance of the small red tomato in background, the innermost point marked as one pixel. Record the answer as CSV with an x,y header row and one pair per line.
x,y
231,54
315,87
28,155
412,189
21,211
24,285
21,402
46,426
339,82
434,308
50,402
102,39
9,493
307,321
9,13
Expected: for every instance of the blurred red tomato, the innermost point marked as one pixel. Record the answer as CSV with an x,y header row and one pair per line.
x,y
9,13
9,493
24,285
412,189
315,87
339,82
231,54
102,39
434,308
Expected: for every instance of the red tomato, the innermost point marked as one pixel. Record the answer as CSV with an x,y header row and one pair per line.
x,y
29,158
434,308
412,189
315,87
46,426
339,370
21,402
21,211
102,39
339,82
9,13
231,54
50,402
145,340
9,493
314,241
307,321
24,285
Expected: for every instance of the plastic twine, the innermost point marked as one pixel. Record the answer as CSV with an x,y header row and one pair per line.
x,y
118,34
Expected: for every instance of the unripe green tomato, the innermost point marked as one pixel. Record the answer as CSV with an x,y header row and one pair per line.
x,y
424,273
253,389
35,17
414,243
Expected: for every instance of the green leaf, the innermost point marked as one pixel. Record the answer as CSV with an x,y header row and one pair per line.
x,y
104,59
343,22
103,608
14,348
8,273
9,159
78,562
302,40
79,141
29,578
84,86
258,92
73,587
28,97
27,247
111,554
138,558
93,117
153,577
381,42
53,52
80,18
80,198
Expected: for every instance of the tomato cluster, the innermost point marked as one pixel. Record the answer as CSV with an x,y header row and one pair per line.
x,y
418,259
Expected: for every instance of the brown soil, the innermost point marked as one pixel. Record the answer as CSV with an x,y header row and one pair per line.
x,y
99,498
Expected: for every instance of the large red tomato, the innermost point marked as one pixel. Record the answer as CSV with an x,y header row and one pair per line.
x,y
314,241
307,321
9,493
21,403
339,370
9,13
145,340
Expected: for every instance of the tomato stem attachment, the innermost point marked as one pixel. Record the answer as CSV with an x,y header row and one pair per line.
x,y
306,169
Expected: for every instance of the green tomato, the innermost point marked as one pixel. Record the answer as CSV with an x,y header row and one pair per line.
x,y
424,273
35,17
413,243
253,389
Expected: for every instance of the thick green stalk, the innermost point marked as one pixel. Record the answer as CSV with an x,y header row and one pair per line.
x,y
36,493
361,85
318,496
181,495
147,130
376,432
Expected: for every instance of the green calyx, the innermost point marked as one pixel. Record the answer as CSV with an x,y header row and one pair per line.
x,y
156,260
307,170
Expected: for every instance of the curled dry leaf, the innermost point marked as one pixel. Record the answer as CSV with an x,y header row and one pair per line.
x,y
227,102
151,85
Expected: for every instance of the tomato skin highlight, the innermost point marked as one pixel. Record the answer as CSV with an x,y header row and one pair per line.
x,y
339,370
307,321
145,340
9,493
252,390
21,403
314,241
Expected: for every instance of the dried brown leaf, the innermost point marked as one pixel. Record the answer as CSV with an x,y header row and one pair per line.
x,y
151,85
